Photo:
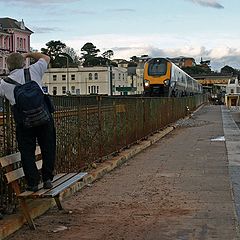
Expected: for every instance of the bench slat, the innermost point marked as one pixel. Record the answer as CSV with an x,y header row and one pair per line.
x,y
29,194
14,158
55,191
10,159
55,184
18,173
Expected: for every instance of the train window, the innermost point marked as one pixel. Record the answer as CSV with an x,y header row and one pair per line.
x,y
157,69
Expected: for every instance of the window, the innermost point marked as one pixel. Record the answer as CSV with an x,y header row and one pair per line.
x,y
119,76
5,45
54,77
72,89
64,77
90,76
63,90
113,76
73,77
17,42
93,89
78,91
97,89
157,67
21,43
95,76
54,90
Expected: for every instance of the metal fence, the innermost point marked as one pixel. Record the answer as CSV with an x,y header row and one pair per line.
x,y
89,129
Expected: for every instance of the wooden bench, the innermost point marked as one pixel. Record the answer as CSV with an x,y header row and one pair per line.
x,y
13,172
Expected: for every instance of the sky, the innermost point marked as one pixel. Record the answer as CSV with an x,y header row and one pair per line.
x,y
207,29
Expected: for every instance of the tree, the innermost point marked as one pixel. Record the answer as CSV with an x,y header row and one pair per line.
x,y
108,54
134,59
54,48
89,50
227,70
196,70
72,53
89,55
63,60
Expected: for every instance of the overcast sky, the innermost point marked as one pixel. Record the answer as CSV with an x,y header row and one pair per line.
x,y
191,28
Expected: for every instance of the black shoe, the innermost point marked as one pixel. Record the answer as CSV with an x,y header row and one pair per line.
x,y
47,184
32,188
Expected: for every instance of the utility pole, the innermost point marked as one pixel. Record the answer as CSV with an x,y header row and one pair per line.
x,y
111,90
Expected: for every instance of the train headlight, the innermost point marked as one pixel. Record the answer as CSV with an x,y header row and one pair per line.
x,y
146,83
166,82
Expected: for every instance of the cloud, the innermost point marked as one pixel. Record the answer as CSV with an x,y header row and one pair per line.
x,y
37,2
126,46
81,12
121,10
44,29
208,3
219,56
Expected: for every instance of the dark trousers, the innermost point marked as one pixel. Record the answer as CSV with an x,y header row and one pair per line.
x,y
27,138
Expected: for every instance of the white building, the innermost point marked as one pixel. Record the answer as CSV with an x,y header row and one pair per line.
x,y
233,86
232,95
86,80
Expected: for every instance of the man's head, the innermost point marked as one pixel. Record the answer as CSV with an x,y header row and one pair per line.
x,y
15,61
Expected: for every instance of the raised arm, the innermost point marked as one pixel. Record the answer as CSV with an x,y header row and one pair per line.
x,y
36,56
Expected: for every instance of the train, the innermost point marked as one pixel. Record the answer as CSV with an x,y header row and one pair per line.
x,y
165,79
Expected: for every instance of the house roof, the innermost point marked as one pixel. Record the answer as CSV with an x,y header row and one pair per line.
x,y
1,31
6,23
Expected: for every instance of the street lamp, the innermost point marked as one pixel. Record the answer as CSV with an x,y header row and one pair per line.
x,y
111,78
61,55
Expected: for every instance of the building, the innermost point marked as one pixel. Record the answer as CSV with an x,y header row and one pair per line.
x,y
86,80
135,79
232,93
121,62
183,61
14,37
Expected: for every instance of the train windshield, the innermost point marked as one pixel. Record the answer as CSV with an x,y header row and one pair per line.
x,y
158,67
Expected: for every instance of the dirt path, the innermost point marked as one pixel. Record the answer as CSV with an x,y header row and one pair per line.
x,y
163,193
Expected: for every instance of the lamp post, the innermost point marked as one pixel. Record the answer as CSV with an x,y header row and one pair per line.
x,y
60,55
111,83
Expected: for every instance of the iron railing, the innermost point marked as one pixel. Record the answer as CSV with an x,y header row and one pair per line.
x,y
91,128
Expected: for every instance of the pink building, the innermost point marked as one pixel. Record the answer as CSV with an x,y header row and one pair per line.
x,y
14,37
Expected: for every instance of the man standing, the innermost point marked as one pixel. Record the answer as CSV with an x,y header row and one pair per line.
x,y
27,138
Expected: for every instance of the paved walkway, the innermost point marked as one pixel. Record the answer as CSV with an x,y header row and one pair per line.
x,y
178,189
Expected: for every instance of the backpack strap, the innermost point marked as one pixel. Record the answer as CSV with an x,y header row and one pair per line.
x,y
11,81
27,75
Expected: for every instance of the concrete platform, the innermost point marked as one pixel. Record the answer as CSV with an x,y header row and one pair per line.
x,y
13,222
198,167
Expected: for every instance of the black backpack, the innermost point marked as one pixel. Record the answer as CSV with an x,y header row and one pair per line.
x,y
31,109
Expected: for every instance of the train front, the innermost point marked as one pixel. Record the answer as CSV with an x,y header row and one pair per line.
x,y
157,75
